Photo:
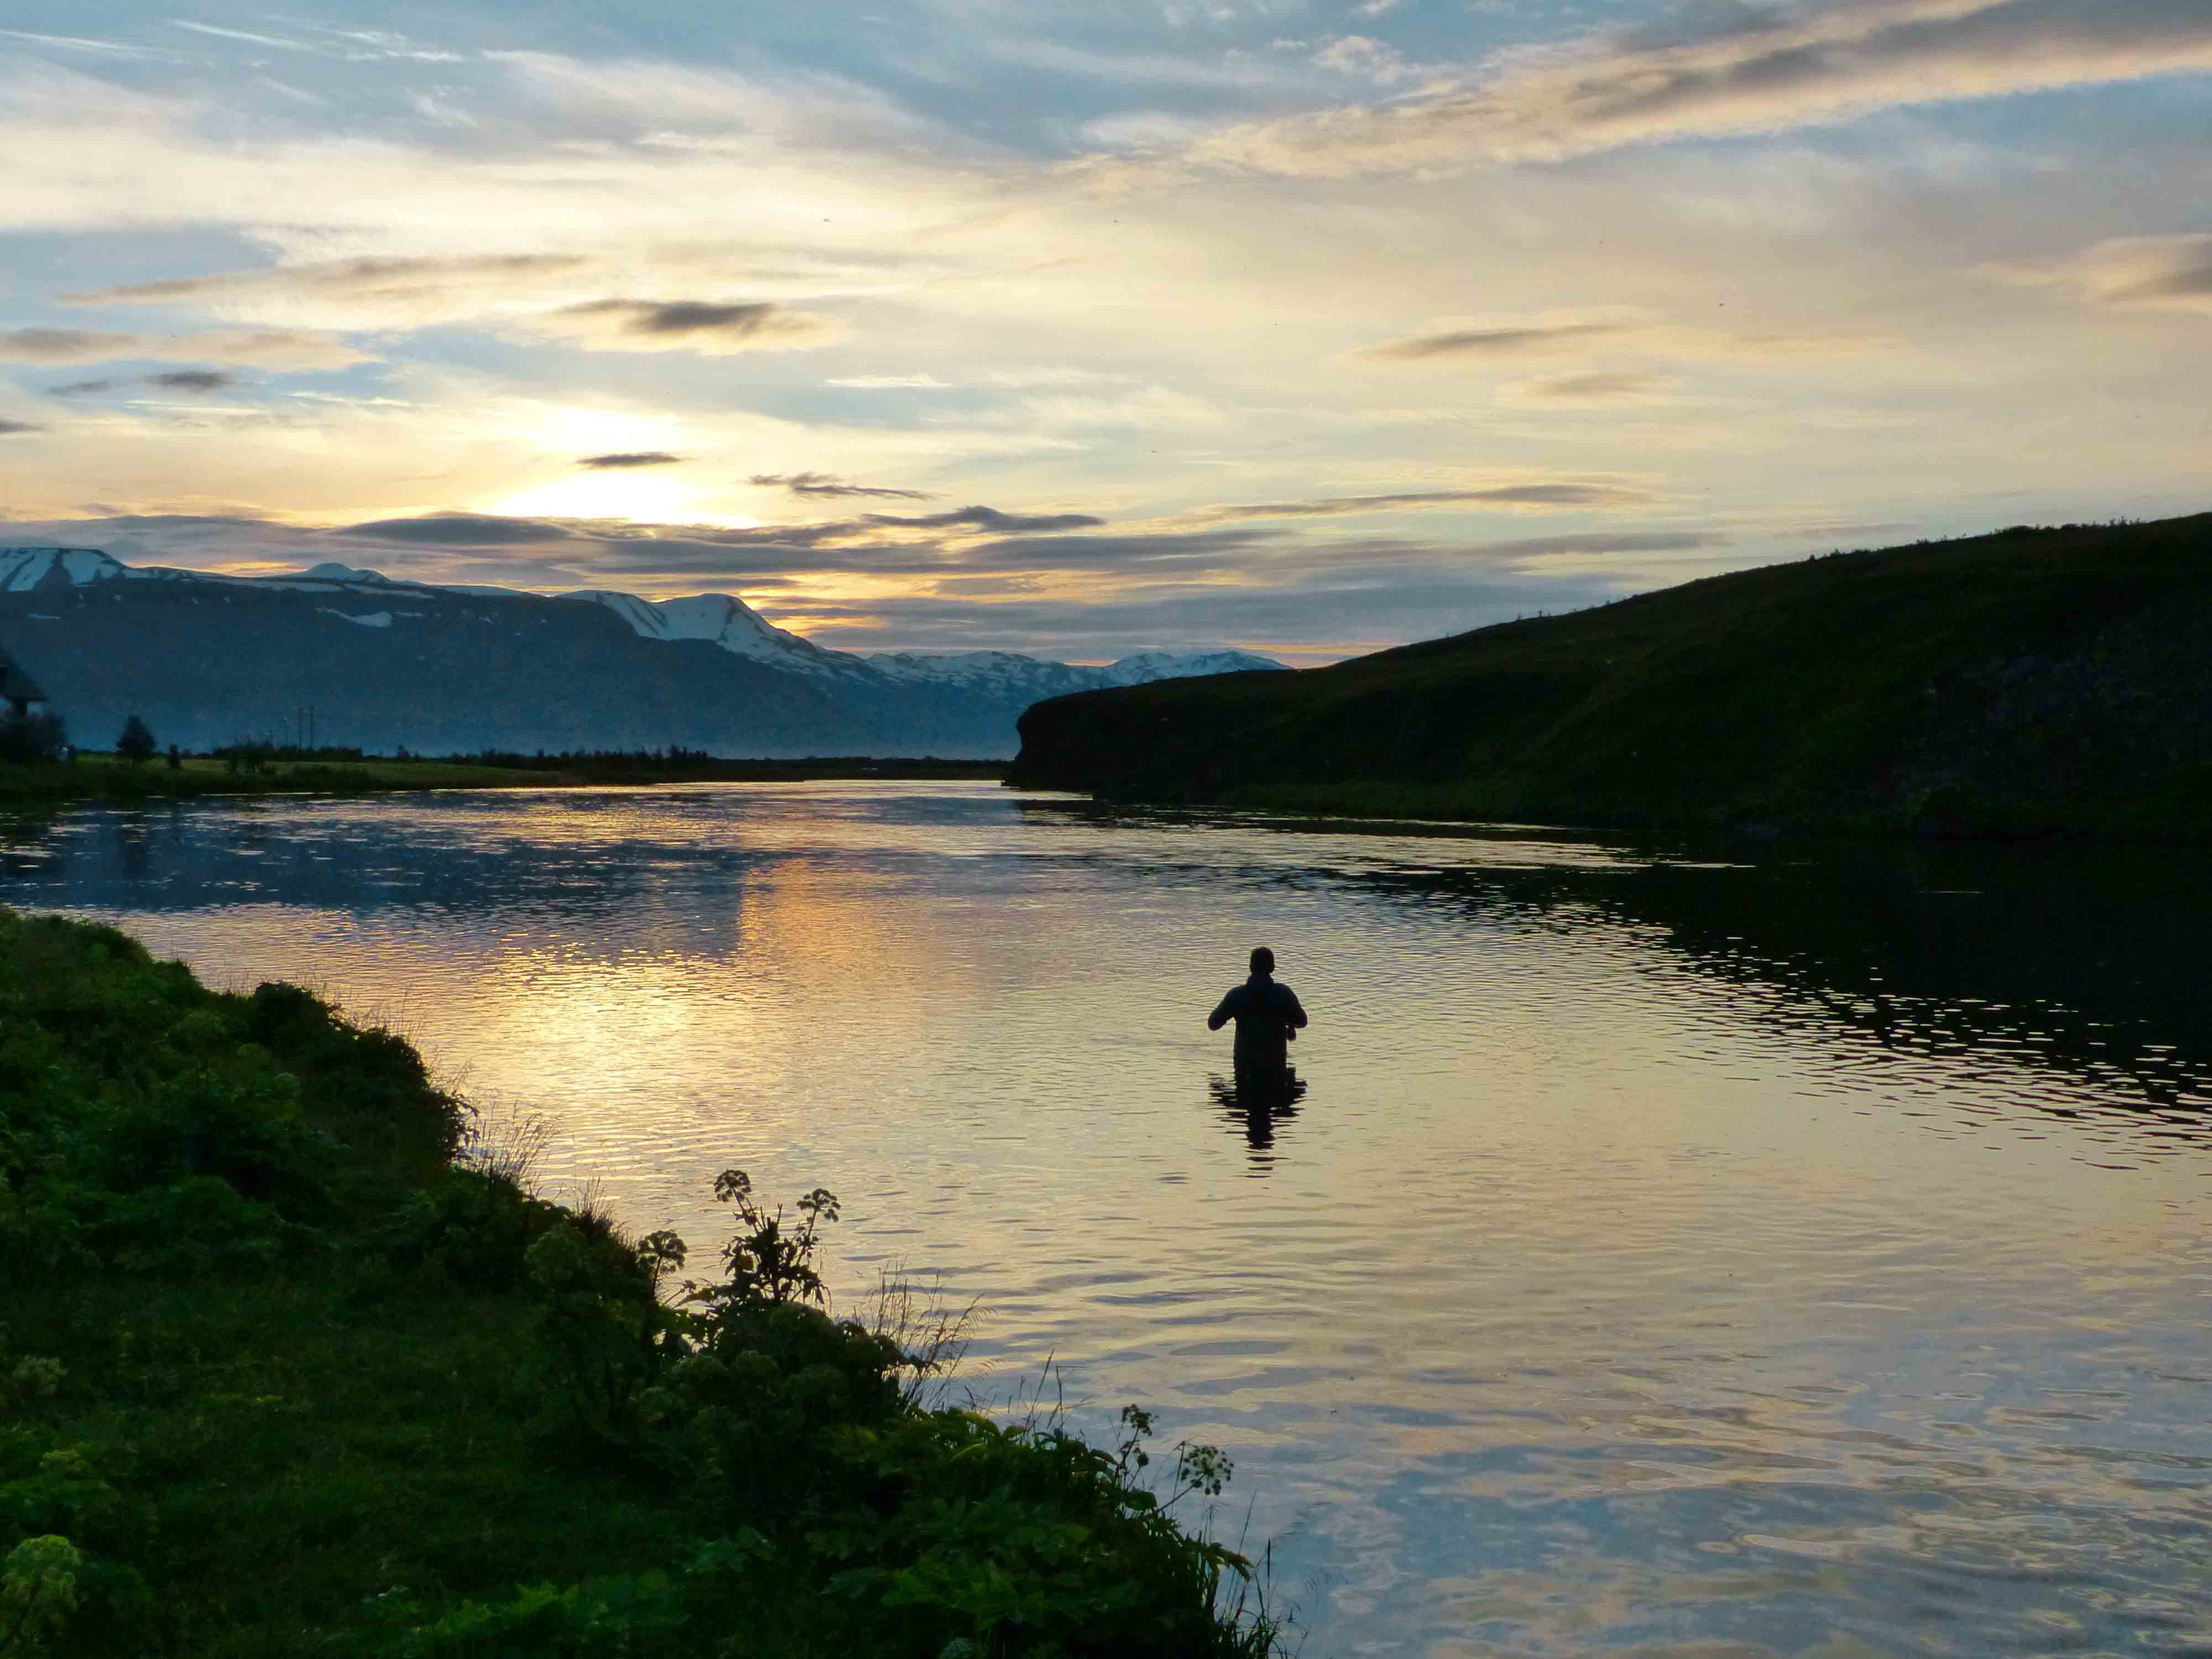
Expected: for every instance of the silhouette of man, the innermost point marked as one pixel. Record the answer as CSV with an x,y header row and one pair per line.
x,y
1267,1014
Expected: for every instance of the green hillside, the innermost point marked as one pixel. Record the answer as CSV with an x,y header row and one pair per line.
x,y
2031,680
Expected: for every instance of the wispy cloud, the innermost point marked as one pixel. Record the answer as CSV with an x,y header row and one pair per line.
x,y
84,43
989,519
1367,58
1755,69
893,383
1523,497
2129,273
424,290
1135,553
1479,341
197,382
706,326
275,349
1596,387
14,429
823,484
401,284
279,42
1508,342
621,460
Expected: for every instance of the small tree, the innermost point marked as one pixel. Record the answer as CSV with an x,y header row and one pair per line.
x,y
136,743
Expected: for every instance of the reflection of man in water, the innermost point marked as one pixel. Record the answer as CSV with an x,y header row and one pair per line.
x,y
1257,1114
1267,1016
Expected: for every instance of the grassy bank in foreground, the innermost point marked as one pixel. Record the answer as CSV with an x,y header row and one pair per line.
x,y
280,1378
2028,681
107,777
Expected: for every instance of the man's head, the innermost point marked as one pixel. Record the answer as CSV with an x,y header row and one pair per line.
x,y
1263,960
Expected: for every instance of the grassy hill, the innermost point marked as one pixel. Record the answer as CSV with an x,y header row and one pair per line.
x,y
2028,681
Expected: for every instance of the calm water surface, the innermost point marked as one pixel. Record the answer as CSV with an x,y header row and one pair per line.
x,y
1767,1256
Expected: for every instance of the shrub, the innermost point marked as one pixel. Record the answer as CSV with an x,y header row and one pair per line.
x,y
37,1591
154,1125
628,1618
247,757
136,741
847,1517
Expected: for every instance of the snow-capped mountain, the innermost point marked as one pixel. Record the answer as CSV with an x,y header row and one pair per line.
x,y
207,659
736,627
723,620
26,569
1039,679
1181,665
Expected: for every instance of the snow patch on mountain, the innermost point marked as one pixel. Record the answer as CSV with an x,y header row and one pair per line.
x,y
980,669
722,620
1147,665
27,570
1041,677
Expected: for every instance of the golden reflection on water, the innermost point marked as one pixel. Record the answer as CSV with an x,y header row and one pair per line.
x,y
1645,1268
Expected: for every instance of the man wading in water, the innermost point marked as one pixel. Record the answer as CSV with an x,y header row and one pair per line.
x,y
1266,1016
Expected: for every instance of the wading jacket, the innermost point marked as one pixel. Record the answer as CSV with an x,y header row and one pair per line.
x,y
1264,1012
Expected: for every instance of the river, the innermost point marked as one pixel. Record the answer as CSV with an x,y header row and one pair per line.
x,y
1774,1252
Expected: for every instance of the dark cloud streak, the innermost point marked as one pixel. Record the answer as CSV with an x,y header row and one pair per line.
x,y
198,380
622,459
1561,495
1488,342
711,326
459,529
989,519
825,484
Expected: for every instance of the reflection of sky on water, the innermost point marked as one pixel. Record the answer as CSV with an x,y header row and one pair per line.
x,y
1802,1256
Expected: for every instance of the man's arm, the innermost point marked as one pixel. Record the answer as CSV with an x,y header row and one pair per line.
x,y
1295,1015
1222,1014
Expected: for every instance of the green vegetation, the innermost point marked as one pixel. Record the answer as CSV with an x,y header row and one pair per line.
x,y
290,1367
2028,681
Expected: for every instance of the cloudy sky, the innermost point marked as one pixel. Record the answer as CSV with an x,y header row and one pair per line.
x,y
1305,326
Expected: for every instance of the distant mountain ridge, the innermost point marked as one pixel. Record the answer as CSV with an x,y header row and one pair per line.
x,y
383,663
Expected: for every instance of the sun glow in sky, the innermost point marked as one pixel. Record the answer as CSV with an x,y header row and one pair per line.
x,y
1303,325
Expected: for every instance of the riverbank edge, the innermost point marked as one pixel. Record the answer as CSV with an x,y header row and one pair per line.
x,y
292,1360
104,777
1945,816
